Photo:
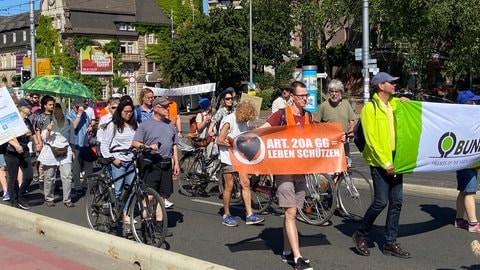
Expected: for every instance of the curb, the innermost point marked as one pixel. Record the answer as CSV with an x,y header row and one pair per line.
x,y
138,255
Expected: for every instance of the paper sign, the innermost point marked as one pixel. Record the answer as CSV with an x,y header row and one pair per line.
x,y
11,123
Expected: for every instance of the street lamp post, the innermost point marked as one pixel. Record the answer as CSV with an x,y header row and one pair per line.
x,y
250,42
365,52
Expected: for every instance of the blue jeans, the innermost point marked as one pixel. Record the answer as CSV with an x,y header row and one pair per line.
x,y
388,189
118,171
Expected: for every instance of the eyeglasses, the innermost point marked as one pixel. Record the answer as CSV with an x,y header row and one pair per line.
x,y
127,112
113,107
286,89
163,107
302,96
334,91
228,98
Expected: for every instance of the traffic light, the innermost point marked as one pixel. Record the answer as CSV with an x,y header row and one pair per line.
x,y
25,76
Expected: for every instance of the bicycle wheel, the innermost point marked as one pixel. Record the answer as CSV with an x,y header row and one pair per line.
x,y
98,206
320,199
148,217
262,189
355,194
191,177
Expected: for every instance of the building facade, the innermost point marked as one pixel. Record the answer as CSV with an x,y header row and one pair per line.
x,y
101,21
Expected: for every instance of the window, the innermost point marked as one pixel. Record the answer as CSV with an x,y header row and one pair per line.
x,y
13,60
122,27
130,28
127,47
24,35
14,37
151,39
4,61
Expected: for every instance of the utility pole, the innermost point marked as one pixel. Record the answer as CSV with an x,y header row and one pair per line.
x,y
32,40
365,52
171,18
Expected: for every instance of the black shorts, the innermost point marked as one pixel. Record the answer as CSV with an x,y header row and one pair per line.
x,y
158,176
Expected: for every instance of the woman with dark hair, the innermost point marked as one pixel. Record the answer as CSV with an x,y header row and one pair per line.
x,y
226,107
118,134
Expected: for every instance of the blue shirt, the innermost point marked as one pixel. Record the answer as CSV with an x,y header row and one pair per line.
x,y
81,129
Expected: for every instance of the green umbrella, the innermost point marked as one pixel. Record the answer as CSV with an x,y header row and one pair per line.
x,y
57,85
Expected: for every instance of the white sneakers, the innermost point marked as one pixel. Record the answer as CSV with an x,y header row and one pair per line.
x,y
168,204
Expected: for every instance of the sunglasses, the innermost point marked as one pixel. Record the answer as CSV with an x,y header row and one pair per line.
x,y
113,107
228,98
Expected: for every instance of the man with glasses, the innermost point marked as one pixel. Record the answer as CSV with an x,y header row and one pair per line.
x,y
334,110
283,100
161,136
112,105
291,188
35,101
378,122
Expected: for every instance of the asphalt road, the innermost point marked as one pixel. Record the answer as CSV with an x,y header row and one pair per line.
x,y
425,231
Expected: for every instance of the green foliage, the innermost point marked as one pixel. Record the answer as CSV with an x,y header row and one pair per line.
x,y
216,48
81,42
119,82
267,96
426,28
114,47
46,38
264,80
93,83
340,55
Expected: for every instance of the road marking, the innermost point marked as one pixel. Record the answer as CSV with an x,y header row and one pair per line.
x,y
216,204
207,202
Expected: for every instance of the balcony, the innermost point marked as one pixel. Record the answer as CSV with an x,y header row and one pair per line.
x,y
131,58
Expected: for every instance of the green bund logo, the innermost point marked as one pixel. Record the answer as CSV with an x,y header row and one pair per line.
x,y
448,143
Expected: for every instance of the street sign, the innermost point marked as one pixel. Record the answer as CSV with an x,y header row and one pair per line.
x,y
358,54
372,61
322,75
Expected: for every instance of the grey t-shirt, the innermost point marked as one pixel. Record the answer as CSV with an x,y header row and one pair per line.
x,y
151,131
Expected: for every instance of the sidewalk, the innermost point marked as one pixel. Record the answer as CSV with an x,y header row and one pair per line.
x,y
22,249
79,247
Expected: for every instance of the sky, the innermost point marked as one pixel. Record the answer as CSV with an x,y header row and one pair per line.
x,y
12,7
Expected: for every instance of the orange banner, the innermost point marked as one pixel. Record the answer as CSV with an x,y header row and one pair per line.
x,y
289,150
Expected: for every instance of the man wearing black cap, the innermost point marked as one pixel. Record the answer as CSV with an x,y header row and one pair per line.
x,y
161,136
378,122
17,157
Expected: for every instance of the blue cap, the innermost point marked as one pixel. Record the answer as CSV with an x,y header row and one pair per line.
x,y
466,96
204,103
382,77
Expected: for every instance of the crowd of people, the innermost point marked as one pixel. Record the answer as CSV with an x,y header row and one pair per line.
x,y
62,137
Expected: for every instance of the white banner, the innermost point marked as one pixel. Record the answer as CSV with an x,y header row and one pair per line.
x,y
183,91
11,124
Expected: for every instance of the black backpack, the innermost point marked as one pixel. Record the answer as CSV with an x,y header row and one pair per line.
x,y
358,135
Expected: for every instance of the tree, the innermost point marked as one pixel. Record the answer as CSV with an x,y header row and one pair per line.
x,y
216,47
321,21
431,28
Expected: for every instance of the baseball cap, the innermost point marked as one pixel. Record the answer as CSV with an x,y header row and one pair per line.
x,y
160,101
25,103
466,96
382,77
204,103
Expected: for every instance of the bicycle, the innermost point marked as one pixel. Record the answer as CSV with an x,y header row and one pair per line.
x,y
146,210
326,193
355,194
197,172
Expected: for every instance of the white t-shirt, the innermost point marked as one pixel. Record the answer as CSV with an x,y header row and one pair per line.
x,y
280,103
235,129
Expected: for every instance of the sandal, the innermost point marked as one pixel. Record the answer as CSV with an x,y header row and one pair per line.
x,y
69,204
49,203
